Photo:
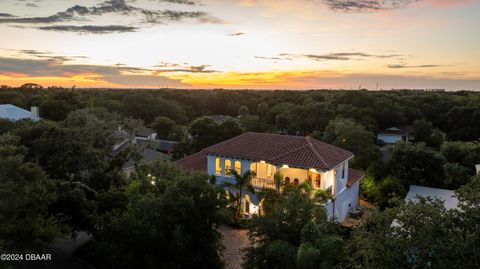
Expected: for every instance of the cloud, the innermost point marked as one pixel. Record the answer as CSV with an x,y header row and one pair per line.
x,y
36,54
90,29
35,69
32,5
180,2
119,7
359,6
400,66
272,58
339,56
177,68
6,15
237,34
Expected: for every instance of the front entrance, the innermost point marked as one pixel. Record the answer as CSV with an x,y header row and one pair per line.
x,y
315,180
246,205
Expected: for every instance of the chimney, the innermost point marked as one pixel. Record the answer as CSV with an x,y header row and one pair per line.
x,y
34,110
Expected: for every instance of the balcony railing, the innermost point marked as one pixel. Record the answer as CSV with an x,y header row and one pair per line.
x,y
263,183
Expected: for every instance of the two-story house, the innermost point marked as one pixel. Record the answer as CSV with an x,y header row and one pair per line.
x,y
297,158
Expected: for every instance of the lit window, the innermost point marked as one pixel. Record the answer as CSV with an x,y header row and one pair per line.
x,y
228,167
238,167
253,167
318,181
269,170
218,168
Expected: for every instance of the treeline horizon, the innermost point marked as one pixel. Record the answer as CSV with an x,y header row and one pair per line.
x,y
74,87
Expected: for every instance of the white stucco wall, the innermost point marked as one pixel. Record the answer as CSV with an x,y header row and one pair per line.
x,y
346,198
345,201
341,181
293,173
245,166
389,138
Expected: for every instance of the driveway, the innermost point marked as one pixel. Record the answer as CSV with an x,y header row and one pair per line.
x,y
234,241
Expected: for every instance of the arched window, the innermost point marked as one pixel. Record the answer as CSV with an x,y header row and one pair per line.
x,y
296,181
218,167
318,181
238,167
228,167
253,167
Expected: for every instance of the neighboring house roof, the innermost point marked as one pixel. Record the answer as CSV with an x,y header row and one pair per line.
x,y
121,134
147,156
165,146
222,118
297,151
400,130
354,176
15,113
194,162
145,132
447,196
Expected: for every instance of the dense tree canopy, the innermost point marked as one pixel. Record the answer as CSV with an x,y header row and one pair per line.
x,y
295,233
160,225
421,235
59,175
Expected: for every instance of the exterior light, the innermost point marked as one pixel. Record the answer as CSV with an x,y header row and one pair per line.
x,y
262,161
285,166
152,182
313,170
149,175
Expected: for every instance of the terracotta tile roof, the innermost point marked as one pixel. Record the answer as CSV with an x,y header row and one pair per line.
x,y
354,176
296,151
195,162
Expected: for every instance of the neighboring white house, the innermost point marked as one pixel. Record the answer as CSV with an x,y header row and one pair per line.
x,y
15,113
447,196
297,158
394,134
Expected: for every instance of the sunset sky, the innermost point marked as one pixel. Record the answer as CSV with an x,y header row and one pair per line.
x,y
258,44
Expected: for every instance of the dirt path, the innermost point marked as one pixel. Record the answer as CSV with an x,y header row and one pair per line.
x,y
234,241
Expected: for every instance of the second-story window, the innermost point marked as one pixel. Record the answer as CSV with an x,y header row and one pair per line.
x,y
238,167
343,170
253,167
318,181
218,167
228,167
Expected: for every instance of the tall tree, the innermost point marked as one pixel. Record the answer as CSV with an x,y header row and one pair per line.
x,y
417,164
294,233
159,225
354,137
163,127
26,224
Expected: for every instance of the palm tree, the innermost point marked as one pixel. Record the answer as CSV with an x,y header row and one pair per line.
x,y
242,182
278,178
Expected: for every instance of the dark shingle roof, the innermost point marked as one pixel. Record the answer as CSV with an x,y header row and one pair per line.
x,y
195,162
281,149
148,156
354,176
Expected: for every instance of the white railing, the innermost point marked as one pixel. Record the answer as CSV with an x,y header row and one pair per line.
x,y
263,183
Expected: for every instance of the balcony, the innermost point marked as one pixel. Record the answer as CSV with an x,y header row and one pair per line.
x,y
263,183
